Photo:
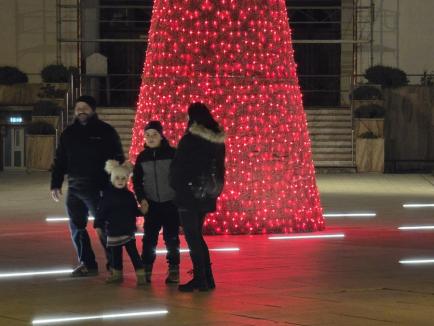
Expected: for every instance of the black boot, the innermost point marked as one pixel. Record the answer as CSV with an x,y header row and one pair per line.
x,y
148,273
209,277
197,283
173,274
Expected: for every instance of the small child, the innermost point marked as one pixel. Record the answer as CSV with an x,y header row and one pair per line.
x,y
117,214
151,185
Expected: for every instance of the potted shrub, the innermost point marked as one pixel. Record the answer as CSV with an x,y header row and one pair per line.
x,y
55,74
55,78
40,145
366,94
387,77
12,75
46,111
369,153
14,89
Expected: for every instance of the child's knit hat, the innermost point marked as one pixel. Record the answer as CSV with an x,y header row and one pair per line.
x,y
114,168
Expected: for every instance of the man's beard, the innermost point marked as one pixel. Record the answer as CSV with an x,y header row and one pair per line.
x,y
83,118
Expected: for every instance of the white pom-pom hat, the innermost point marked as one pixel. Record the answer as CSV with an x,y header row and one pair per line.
x,y
114,168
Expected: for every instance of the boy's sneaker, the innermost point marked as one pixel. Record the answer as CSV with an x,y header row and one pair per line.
x,y
83,271
148,273
140,274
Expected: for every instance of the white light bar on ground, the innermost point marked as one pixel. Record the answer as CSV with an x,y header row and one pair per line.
x,y
61,219
416,227
35,273
417,205
296,237
417,261
164,251
350,215
103,317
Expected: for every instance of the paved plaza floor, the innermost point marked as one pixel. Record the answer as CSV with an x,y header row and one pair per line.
x,y
354,280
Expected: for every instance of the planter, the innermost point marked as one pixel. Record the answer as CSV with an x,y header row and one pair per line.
x,y
39,152
19,94
370,155
52,120
59,101
359,103
376,126
53,91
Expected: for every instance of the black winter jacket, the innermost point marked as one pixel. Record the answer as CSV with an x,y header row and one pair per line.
x,y
82,153
195,152
117,212
151,173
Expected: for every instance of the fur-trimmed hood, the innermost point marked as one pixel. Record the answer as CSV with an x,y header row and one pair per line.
x,y
207,134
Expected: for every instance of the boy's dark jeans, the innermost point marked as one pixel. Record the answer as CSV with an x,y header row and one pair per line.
x,y
161,215
192,222
131,248
79,202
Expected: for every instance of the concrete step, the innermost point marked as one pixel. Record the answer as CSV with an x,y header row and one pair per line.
x,y
333,111
331,150
120,124
330,137
329,123
127,130
330,131
332,156
348,163
331,143
328,116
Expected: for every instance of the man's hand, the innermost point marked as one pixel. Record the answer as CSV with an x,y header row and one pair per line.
x,y
99,232
144,206
56,193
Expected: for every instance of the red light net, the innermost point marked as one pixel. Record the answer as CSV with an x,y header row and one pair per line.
x,y
237,58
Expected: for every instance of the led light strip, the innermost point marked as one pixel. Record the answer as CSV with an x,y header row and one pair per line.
x,y
35,273
295,237
417,205
61,219
417,227
103,317
350,215
417,261
164,251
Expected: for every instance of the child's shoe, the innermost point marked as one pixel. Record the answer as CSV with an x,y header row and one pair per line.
x,y
115,277
140,274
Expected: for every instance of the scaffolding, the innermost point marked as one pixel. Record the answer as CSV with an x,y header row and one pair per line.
x,y
354,18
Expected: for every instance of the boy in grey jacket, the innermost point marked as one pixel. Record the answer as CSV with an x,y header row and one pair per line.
x,y
153,192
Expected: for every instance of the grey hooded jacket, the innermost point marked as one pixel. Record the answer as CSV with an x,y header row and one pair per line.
x,y
151,174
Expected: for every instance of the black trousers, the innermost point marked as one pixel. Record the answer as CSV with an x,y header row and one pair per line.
x,y
161,215
192,223
79,203
116,252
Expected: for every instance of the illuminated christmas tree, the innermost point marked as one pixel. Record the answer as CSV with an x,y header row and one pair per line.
x,y
237,58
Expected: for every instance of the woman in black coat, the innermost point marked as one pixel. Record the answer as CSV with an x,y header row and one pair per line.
x,y
200,153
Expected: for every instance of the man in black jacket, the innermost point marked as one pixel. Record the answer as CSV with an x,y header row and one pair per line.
x,y
83,149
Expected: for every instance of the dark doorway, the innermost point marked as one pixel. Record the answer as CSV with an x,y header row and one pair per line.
x,y
319,64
